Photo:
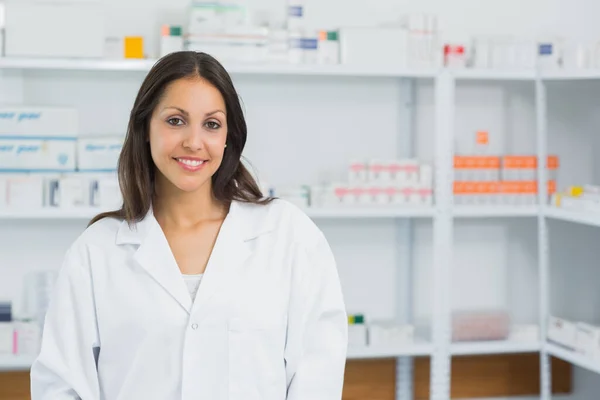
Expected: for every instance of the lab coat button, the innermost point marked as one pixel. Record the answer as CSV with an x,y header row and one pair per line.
x,y
194,326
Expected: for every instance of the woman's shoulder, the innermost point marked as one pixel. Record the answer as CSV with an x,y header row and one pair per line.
x,y
285,217
100,233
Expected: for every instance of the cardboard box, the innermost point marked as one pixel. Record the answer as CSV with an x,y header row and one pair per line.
x,y
36,155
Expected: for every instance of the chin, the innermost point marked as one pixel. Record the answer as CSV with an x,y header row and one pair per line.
x,y
189,185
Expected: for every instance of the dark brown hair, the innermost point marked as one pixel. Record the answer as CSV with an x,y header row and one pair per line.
x,y
136,170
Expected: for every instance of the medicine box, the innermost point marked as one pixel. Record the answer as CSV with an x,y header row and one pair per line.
x,y
562,332
38,121
73,30
36,154
98,153
363,46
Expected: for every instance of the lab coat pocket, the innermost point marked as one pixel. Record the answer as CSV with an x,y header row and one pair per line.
x,y
256,358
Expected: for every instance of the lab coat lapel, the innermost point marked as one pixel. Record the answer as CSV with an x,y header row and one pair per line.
x,y
228,255
156,257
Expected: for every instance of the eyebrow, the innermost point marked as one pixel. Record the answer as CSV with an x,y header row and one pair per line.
x,y
185,113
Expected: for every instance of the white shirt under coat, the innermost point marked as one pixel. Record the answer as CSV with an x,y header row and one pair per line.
x,y
268,321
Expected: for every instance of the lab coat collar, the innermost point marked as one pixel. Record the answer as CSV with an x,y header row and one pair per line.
x,y
243,223
252,222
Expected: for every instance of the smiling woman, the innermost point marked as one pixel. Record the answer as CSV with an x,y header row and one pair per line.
x,y
198,287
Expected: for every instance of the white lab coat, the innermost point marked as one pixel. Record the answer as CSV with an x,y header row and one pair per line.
x,y
268,323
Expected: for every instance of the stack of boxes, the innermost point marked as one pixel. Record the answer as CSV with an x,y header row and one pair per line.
x,y
580,337
43,162
404,182
580,198
506,180
377,333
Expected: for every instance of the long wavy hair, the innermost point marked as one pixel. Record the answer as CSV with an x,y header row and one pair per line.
x,y
136,169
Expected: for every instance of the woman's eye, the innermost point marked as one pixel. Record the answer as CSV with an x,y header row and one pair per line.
x,y
175,121
213,125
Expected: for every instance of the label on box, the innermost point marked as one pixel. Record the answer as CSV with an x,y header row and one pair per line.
x,y
98,154
38,121
36,154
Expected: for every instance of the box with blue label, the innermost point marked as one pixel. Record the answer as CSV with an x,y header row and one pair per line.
x,y
98,153
38,121
32,154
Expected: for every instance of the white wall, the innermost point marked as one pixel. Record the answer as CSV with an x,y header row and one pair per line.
x,y
334,120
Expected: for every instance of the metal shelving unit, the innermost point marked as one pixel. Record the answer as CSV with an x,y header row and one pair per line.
x,y
443,214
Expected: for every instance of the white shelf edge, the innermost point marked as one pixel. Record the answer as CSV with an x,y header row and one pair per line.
x,y
407,350
249,68
578,217
495,211
317,213
569,75
573,358
491,74
15,363
494,347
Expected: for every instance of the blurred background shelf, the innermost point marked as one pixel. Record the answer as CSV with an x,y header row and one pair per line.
x,y
494,347
573,358
15,363
575,216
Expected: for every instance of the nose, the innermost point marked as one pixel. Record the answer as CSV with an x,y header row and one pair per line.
x,y
193,139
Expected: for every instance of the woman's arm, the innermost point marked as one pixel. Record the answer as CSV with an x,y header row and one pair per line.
x,y
66,366
318,326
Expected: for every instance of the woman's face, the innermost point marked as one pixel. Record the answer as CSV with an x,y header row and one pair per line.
x,y
188,131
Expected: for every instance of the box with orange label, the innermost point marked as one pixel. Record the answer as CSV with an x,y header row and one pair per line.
x,y
476,168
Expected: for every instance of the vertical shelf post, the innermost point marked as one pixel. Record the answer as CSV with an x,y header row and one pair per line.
x,y
543,244
442,236
404,241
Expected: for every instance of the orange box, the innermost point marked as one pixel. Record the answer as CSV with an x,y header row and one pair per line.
x,y
483,137
551,187
552,162
134,47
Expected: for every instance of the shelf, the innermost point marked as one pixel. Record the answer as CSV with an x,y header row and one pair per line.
x,y
15,363
242,69
495,211
316,213
572,357
495,75
494,347
575,216
408,350
571,75
370,212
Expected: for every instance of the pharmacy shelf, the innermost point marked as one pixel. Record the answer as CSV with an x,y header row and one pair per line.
x,y
573,358
408,350
495,211
494,347
316,213
241,69
495,75
571,75
15,363
575,216
370,212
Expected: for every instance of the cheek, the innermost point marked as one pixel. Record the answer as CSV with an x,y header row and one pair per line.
x,y
161,144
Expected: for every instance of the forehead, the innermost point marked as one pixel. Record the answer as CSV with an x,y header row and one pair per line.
x,y
192,95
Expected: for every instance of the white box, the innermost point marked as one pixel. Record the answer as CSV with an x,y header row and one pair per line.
x,y
106,193
6,337
54,30
374,47
357,335
26,191
562,332
28,338
587,339
98,153
3,191
38,121
36,154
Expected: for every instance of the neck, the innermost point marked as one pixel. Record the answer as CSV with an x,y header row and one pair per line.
x,y
180,209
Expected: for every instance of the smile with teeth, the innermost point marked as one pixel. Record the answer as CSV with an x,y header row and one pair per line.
x,y
191,163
